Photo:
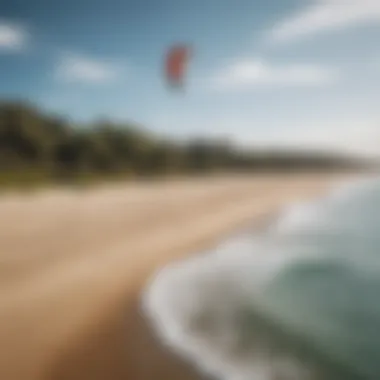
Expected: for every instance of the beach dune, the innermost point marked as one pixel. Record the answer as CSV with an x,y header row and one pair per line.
x,y
73,263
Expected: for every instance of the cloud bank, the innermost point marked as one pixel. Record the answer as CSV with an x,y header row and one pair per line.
x,y
326,15
248,74
76,68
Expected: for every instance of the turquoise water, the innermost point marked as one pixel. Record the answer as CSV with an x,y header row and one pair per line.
x,y
300,300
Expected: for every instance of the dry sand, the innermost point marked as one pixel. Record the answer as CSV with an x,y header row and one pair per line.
x,y
72,264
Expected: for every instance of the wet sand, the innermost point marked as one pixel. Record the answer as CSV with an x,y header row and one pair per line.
x,y
73,263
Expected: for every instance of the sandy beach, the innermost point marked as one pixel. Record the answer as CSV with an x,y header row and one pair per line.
x,y
73,263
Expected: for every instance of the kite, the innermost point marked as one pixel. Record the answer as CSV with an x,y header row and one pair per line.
x,y
175,65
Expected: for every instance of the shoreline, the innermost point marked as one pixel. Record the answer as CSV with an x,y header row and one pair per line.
x,y
129,318
257,225
92,325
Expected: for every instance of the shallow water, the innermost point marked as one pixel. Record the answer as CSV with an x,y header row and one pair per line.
x,y
300,300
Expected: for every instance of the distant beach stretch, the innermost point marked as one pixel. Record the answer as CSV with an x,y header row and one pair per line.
x,y
73,264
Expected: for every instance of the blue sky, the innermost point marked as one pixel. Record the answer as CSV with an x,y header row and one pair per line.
x,y
265,72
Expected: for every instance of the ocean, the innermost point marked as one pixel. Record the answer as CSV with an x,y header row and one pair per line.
x,y
297,300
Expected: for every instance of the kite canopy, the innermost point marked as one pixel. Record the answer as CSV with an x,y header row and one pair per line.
x,y
175,65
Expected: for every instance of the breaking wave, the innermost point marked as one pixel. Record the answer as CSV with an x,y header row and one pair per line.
x,y
300,300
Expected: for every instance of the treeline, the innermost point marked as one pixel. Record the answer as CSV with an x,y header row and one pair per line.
x,y
36,144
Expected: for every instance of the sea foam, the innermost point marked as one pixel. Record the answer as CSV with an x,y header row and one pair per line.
x,y
296,301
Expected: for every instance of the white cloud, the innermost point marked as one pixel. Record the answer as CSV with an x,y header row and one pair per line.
x,y
81,69
326,15
252,73
12,36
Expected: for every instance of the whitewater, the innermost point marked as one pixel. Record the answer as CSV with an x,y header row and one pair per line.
x,y
299,299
